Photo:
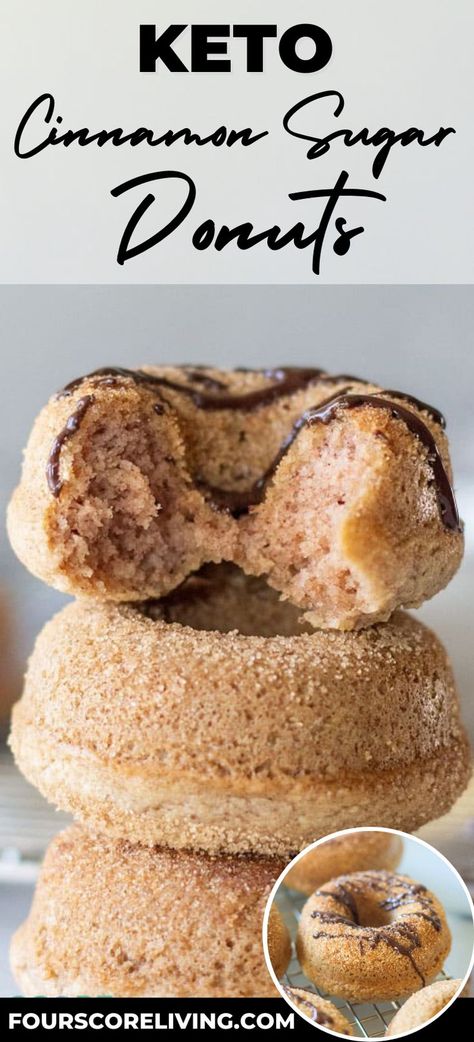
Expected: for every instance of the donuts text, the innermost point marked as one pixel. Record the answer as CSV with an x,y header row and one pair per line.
x,y
244,235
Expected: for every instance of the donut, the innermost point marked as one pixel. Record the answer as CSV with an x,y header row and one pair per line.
x,y
221,598
156,731
353,852
422,1006
372,935
320,1011
126,921
335,489
278,941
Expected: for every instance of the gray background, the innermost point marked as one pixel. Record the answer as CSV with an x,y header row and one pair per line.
x,y
416,338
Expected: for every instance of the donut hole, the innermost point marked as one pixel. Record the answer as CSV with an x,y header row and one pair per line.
x,y
370,913
221,598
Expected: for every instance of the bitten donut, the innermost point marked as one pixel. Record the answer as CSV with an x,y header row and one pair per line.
x,y
353,852
165,733
278,941
422,1006
372,935
335,489
124,921
319,1010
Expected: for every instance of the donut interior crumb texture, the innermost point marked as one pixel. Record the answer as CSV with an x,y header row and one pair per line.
x,y
130,514
125,498
339,515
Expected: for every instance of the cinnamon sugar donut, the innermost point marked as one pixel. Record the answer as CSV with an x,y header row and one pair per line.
x,y
164,733
320,1011
422,1006
353,852
126,921
372,935
336,490
278,941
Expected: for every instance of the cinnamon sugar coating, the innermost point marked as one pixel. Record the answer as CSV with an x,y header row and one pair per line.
x,y
353,852
126,921
372,935
162,732
320,1011
422,1006
278,941
349,526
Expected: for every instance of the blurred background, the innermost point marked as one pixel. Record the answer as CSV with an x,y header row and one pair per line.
x,y
413,338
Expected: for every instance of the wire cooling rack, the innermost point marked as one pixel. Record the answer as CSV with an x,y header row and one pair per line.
x,y
368,1019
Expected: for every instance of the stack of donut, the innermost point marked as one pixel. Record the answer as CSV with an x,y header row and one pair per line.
x,y
236,676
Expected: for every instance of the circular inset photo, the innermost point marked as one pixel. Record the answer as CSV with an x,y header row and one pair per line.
x,y
369,933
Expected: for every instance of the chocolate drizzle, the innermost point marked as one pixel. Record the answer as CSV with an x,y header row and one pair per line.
x,y
430,918
70,428
401,937
431,410
286,381
344,897
213,395
107,376
312,1011
413,893
404,941
198,376
342,400
333,917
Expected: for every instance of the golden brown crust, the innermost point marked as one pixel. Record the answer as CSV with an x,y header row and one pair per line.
x,y
165,734
116,520
353,852
278,941
320,1011
349,528
112,919
420,1008
372,935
